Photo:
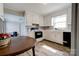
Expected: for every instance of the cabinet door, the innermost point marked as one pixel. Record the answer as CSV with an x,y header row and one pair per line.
x,y
50,35
46,34
29,20
41,21
59,37
35,19
53,36
47,21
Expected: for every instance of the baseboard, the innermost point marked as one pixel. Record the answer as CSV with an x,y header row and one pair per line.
x,y
53,42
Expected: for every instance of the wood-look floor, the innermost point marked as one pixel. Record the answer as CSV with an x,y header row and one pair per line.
x,y
47,48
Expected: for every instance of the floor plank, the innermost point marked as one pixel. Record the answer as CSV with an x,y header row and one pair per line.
x,y
47,48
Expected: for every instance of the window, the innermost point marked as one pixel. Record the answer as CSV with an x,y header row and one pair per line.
x,y
15,23
12,27
59,21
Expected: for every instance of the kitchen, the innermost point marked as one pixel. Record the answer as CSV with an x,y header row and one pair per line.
x,y
47,27
58,34
44,25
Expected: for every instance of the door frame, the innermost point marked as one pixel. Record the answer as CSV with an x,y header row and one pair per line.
x,y
74,29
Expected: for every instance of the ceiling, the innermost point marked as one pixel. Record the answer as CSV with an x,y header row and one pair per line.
x,y
40,8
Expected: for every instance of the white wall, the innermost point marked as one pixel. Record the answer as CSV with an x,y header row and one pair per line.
x,y
1,9
47,18
1,18
1,26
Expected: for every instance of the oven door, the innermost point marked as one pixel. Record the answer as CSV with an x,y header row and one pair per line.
x,y
38,34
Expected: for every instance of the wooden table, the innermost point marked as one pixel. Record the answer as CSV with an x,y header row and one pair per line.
x,y
18,45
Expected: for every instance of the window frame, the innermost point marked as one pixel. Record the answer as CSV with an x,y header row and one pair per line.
x,y
53,22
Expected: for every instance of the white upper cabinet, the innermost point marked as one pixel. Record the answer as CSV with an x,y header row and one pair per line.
x,y
35,19
32,18
47,21
28,19
41,21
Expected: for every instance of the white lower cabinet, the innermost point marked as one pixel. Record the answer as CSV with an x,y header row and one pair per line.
x,y
59,37
54,36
